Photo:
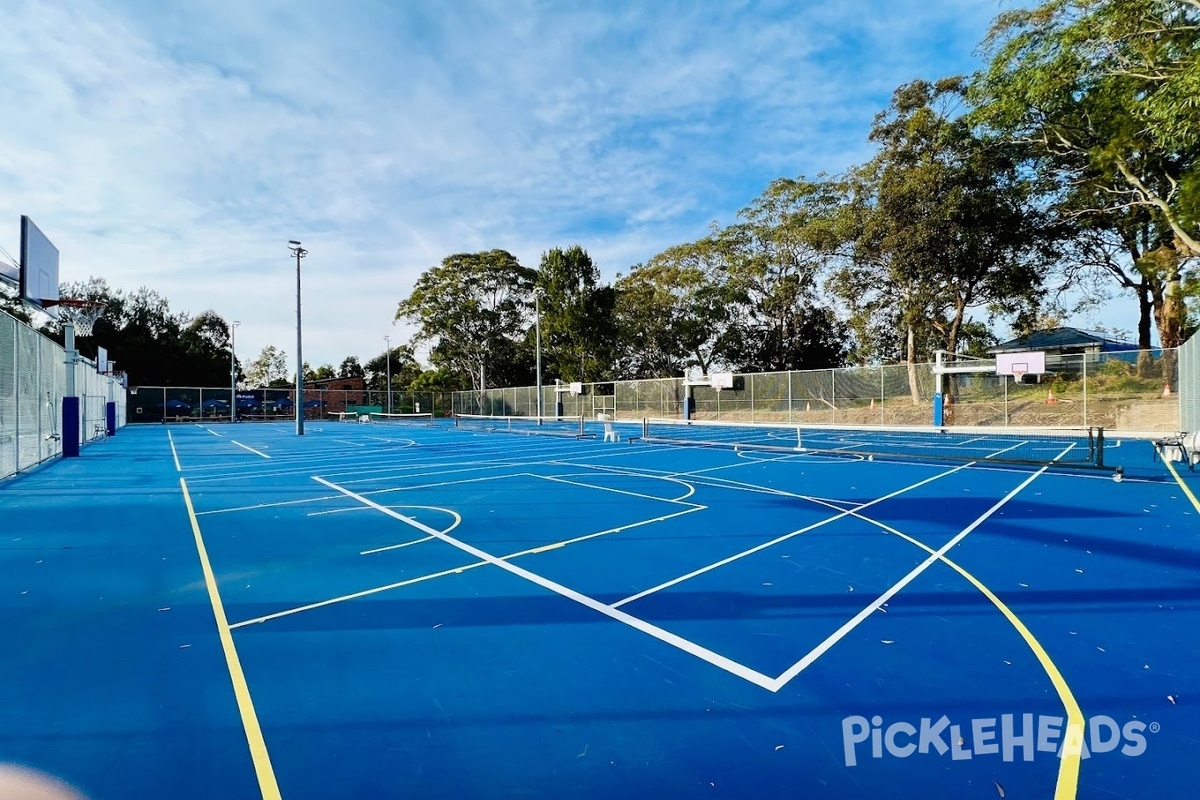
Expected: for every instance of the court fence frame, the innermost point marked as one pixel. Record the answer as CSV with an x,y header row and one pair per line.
x,y
1138,390
33,378
206,404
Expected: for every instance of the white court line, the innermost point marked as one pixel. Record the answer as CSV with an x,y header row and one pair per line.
x,y
531,551
1005,450
407,442
703,653
691,489
356,595
333,511
210,430
251,449
936,556
785,537
174,454
395,546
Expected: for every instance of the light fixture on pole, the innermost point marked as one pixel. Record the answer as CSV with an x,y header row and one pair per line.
x,y
387,340
300,253
538,294
233,371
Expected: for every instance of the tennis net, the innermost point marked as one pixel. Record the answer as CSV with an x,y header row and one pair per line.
x,y
1038,446
383,418
535,426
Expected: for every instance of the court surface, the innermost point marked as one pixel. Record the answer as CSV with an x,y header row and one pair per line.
x,y
375,611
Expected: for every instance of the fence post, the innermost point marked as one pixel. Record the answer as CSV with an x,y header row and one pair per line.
x,y
1085,381
789,380
882,391
833,386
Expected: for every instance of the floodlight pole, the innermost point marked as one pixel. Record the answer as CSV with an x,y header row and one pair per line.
x,y
233,372
300,253
538,293
387,340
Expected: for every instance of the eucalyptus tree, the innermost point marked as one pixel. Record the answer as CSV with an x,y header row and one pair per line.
x,y
777,255
676,310
940,225
1105,90
472,308
577,316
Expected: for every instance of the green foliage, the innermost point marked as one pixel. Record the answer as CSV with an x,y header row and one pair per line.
x,y
403,366
437,380
674,311
351,368
472,307
1105,91
10,303
937,224
270,368
577,317
153,344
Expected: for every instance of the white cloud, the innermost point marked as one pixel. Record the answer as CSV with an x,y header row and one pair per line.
x,y
180,146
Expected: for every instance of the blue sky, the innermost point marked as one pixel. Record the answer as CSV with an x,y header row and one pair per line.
x,y
180,145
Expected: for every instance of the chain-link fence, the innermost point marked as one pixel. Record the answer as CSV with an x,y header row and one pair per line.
x,y
195,403
33,378
1135,390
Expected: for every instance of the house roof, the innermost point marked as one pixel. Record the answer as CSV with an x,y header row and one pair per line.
x,y
1058,338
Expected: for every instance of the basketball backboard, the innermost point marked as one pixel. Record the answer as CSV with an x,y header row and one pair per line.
x,y
1030,363
39,267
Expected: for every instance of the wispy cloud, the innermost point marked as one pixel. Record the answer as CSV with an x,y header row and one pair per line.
x,y
179,146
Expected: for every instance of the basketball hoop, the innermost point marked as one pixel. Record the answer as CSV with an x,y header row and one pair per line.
x,y
80,313
1018,375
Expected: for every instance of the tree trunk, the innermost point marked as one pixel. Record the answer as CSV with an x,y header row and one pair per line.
x,y
911,360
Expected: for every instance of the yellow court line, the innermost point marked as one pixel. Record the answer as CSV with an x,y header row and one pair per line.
x,y
1072,748
1183,486
254,737
1067,785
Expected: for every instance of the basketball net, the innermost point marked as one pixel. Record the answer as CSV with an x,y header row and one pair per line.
x,y
80,313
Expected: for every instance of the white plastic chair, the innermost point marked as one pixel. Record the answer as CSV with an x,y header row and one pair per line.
x,y
610,435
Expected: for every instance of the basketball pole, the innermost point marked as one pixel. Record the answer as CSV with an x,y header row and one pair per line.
x,y
70,402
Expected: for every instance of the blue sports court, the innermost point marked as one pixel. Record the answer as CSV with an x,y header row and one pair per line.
x,y
417,610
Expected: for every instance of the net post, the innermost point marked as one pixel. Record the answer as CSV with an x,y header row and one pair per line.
x,y
1099,446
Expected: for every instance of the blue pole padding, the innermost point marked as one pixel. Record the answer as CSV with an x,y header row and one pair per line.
x,y
70,427
110,418
689,406
938,410
558,408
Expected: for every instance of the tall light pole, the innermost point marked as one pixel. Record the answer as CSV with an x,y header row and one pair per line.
x,y
300,253
388,360
233,371
538,293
